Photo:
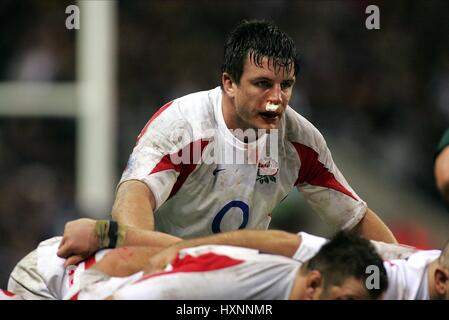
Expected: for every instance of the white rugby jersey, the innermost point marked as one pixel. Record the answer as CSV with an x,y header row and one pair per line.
x,y
408,277
202,196
310,245
41,274
209,272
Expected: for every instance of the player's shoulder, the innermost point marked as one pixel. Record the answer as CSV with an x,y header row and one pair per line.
x,y
416,261
194,110
48,262
199,98
405,275
51,242
46,250
194,107
423,257
300,130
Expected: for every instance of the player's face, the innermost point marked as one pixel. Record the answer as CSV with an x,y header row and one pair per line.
x,y
259,86
350,289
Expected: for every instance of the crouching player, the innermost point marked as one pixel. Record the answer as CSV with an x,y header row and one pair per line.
x,y
337,271
41,275
413,274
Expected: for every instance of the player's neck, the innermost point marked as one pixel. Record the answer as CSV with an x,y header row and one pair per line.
x,y
229,115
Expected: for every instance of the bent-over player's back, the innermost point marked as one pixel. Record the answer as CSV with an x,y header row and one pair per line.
x,y
218,272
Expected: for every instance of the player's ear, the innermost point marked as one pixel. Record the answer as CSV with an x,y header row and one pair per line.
x,y
228,84
314,285
441,281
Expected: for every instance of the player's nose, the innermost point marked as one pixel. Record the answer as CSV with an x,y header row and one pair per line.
x,y
275,95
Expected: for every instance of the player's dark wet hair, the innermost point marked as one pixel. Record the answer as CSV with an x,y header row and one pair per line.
x,y
347,255
260,39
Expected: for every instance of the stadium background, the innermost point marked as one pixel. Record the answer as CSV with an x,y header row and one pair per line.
x,y
380,98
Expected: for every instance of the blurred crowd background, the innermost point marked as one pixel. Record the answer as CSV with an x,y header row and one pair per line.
x,y
380,98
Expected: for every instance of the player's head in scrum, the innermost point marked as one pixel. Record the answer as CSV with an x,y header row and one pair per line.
x,y
339,271
259,69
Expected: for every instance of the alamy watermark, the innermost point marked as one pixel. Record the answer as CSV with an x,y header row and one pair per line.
x,y
373,280
73,20
373,20
211,146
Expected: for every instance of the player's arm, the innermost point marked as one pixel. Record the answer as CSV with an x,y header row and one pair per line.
x,y
134,205
372,227
133,211
83,237
267,241
327,191
137,197
125,261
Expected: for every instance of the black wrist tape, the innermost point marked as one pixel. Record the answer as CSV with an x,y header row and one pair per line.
x,y
112,234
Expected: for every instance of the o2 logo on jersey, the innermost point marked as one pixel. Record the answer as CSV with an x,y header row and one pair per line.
x,y
233,204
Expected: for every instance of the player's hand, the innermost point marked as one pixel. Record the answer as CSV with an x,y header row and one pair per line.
x,y
79,241
159,261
